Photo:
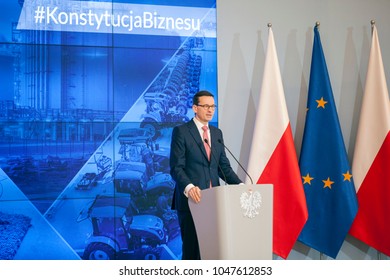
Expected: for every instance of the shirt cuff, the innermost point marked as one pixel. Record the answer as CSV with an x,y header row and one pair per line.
x,y
187,189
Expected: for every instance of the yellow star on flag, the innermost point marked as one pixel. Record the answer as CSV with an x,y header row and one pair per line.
x,y
347,176
328,183
321,103
307,179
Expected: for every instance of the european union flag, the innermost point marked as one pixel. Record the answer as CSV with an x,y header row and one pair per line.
x,y
326,173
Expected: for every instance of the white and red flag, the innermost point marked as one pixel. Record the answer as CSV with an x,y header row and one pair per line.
x,y
273,158
371,162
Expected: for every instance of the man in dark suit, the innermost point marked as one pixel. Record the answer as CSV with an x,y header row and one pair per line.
x,y
194,167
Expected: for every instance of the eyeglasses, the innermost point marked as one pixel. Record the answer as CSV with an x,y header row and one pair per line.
x,y
207,107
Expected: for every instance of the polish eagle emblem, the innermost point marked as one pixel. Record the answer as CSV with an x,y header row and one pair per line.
x,y
250,203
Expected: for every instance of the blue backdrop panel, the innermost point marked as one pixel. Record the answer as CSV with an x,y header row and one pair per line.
x,y
86,116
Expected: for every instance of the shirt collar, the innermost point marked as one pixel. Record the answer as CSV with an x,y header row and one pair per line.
x,y
198,124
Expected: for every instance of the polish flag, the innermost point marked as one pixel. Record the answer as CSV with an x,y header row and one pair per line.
x,y
371,162
273,158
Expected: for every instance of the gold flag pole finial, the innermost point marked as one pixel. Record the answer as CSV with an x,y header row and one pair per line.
x,y
269,25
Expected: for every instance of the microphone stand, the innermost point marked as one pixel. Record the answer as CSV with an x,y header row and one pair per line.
x,y
220,141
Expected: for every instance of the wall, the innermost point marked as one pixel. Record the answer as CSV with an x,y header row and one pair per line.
x,y
345,31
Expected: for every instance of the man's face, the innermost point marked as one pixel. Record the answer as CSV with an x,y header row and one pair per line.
x,y
202,114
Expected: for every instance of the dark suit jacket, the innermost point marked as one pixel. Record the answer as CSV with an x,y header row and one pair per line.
x,y
189,163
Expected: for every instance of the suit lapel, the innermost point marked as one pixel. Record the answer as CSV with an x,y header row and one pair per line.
x,y
196,136
214,142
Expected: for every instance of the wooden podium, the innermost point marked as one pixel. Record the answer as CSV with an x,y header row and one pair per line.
x,y
234,222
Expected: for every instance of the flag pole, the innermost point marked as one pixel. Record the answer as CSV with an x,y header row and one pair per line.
x,y
379,254
317,24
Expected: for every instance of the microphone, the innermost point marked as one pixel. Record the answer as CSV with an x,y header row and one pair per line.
x,y
221,142
212,154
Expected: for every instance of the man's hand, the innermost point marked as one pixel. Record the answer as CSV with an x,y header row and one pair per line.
x,y
195,194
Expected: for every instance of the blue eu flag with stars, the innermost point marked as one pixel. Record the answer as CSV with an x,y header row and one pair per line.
x,y
326,173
